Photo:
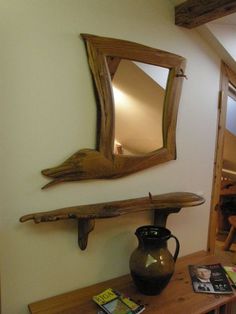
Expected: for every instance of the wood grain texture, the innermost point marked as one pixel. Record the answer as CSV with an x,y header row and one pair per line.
x,y
178,297
118,208
163,205
230,237
227,76
228,187
193,13
101,163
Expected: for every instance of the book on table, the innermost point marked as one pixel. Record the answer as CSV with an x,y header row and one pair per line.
x,y
113,302
210,279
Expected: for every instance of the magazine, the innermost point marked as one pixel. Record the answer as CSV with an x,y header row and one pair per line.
x,y
231,272
209,279
113,302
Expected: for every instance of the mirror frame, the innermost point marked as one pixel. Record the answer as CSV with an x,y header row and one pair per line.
x,y
102,163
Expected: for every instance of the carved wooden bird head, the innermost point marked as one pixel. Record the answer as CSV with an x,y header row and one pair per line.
x,y
84,164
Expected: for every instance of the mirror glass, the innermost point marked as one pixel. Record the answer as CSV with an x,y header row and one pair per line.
x,y
229,151
139,93
231,110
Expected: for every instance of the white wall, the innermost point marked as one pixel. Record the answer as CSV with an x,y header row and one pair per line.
x,y
226,35
48,113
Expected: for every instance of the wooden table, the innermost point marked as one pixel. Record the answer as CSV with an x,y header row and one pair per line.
x,y
177,298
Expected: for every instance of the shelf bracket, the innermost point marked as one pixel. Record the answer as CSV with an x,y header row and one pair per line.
x,y
85,226
161,215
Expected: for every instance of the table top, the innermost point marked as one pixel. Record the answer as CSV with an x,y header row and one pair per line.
x,y
178,297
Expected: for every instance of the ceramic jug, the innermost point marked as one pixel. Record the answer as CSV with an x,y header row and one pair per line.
x,y
151,263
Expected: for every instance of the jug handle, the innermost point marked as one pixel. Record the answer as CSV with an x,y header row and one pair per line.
x,y
177,247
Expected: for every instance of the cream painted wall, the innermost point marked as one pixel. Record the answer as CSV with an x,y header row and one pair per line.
x,y
48,112
225,34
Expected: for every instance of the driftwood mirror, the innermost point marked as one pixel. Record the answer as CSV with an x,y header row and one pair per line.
x,y
137,91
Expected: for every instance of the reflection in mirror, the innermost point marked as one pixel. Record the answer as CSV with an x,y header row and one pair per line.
x,y
231,110
229,151
139,93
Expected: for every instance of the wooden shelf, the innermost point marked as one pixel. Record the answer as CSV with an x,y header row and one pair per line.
x,y
178,297
162,205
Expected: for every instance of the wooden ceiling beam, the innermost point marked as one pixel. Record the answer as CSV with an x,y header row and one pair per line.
x,y
193,13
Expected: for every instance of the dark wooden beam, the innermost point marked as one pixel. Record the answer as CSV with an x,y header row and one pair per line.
x,y
193,13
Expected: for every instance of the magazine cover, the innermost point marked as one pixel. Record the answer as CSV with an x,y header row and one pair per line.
x,y
113,302
209,279
231,272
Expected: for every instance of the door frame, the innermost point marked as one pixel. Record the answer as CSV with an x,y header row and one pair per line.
x,y
227,76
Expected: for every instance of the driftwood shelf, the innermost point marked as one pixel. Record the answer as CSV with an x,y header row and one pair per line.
x,y
162,205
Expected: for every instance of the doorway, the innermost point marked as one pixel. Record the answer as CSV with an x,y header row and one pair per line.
x,y
223,201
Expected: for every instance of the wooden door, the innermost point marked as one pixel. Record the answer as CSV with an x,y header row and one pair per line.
x,y
228,80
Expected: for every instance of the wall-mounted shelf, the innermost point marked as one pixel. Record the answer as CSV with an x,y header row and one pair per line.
x,y
162,205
